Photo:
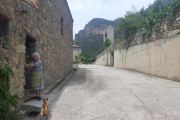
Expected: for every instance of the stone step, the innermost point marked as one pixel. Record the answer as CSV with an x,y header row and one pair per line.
x,y
23,113
35,105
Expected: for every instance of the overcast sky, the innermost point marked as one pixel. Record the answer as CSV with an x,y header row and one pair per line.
x,y
85,10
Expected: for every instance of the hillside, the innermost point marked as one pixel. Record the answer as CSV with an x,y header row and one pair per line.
x,y
91,38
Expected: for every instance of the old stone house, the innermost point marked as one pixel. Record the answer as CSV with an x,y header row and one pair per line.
x,y
108,56
76,51
45,26
109,33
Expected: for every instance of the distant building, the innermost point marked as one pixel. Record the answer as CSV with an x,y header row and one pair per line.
x,y
76,51
109,33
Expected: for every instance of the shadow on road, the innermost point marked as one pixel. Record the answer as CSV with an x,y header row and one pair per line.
x,y
79,77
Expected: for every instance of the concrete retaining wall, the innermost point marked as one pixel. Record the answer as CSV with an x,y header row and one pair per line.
x,y
158,58
105,59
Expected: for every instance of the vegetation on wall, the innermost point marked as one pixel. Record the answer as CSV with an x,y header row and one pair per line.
x,y
155,19
105,45
81,59
144,20
2,40
117,41
130,23
6,99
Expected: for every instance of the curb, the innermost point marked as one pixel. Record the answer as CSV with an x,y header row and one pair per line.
x,y
56,83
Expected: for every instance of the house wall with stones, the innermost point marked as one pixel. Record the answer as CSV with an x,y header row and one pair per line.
x,y
76,51
44,25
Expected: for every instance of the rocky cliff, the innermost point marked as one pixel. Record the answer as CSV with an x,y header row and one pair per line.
x,y
91,37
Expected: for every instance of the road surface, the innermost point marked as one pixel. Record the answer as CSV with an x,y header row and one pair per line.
x,y
107,93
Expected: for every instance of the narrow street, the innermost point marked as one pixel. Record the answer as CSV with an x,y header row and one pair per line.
x,y
107,93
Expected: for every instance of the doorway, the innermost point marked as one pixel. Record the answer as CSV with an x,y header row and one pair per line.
x,y
30,49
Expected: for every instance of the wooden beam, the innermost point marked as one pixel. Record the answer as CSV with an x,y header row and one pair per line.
x,y
3,16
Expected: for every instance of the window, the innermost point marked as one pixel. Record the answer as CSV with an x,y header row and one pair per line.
x,y
106,35
62,26
4,32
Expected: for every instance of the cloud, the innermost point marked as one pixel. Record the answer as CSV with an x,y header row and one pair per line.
x,y
85,10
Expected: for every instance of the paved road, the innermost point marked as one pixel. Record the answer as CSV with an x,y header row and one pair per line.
x,y
106,93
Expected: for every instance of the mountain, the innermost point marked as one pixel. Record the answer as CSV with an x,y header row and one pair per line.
x,y
157,3
91,37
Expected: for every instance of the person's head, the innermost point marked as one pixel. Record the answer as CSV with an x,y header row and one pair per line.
x,y
36,56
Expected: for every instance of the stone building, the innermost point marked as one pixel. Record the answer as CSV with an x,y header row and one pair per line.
x,y
45,26
107,56
76,51
109,33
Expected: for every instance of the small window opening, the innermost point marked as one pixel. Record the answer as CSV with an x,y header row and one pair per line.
x,y
62,25
106,35
4,31
0,28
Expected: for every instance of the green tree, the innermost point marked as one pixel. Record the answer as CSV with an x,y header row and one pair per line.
x,y
81,56
117,41
131,22
107,42
76,59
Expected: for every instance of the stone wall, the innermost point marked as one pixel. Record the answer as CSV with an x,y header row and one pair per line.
x,y
44,26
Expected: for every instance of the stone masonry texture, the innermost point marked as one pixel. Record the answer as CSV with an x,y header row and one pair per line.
x,y
43,24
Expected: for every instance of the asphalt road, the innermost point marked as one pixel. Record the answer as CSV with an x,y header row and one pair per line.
x,y
107,93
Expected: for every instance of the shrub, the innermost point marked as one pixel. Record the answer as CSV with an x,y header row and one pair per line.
x,y
5,97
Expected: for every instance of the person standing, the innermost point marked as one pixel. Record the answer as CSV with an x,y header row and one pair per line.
x,y
36,76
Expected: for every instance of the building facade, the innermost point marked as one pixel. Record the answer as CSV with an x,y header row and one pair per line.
x,y
41,26
76,51
109,33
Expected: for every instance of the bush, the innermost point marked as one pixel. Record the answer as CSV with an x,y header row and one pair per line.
x,y
106,44
5,97
134,21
